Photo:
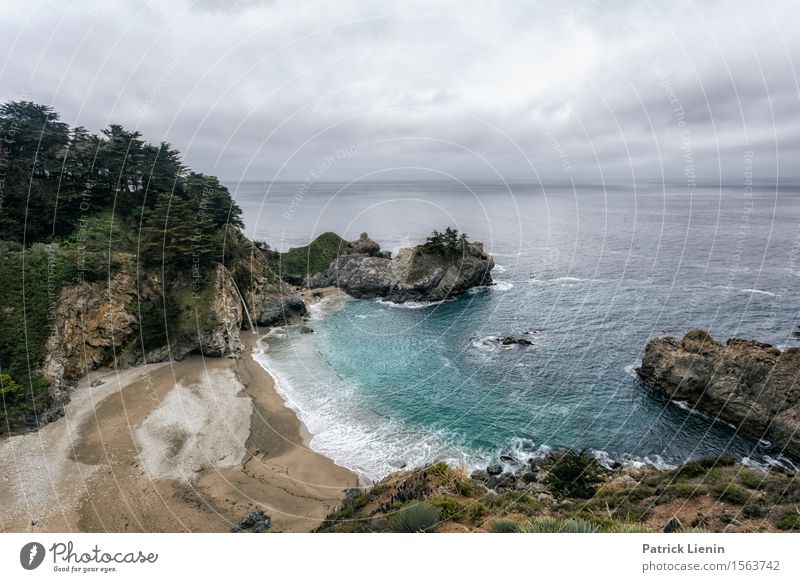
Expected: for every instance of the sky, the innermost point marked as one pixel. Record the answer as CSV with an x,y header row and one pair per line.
x,y
582,91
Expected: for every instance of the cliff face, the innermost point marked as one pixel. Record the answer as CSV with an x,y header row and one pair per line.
x,y
413,275
100,324
750,384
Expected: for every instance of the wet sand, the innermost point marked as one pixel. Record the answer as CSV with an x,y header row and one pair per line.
x,y
185,446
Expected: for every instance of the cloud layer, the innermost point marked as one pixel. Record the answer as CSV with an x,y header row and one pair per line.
x,y
517,90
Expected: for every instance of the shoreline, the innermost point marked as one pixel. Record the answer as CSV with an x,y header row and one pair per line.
x,y
132,455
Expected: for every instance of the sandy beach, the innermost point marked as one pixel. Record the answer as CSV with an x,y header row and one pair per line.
x,y
181,446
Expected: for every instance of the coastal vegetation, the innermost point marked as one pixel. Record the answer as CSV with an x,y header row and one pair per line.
x,y
79,208
449,242
711,495
298,263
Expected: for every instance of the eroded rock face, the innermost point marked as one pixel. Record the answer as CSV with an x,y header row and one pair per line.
x,y
97,324
750,384
226,310
92,323
410,276
269,300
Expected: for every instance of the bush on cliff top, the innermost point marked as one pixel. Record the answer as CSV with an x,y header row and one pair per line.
x,y
313,258
574,475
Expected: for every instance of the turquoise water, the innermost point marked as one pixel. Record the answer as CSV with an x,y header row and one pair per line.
x,y
590,274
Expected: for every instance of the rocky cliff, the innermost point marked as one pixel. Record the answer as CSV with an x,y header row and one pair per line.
x,y
364,271
102,323
752,385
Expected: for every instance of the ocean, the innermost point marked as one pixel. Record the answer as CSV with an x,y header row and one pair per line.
x,y
588,272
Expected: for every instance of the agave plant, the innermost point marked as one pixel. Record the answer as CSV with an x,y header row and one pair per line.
x,y
546,524
542,524
579,526
416,518
504,525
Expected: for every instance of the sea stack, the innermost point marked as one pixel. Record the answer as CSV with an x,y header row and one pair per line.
x,y
428,272
752,385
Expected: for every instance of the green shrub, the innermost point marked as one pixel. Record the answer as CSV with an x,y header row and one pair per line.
x,y
701,467
504,526
313,258
789,519
751,479
547,524
415,518
449,508
680,491
574,475
637,493
514,501
732,493
476,511
379,490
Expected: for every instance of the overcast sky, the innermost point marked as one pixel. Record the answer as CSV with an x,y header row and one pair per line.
x,y
506,89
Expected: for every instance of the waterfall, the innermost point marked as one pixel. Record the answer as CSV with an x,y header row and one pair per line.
x,y
244,304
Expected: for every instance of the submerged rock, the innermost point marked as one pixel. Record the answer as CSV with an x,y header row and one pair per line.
x,y
511,341
750,384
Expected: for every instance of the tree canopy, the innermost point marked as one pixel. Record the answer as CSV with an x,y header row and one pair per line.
x,y
444,243
74,207
53,177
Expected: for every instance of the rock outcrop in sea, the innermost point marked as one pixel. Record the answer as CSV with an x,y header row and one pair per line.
x,y
752,385
415,274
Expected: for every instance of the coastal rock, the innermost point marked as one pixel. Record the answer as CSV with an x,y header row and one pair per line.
x,y
306,329
750,384
279,306
512,341
256,521
365,246
92,323
479,475
494,470
413,275
268,300
226,305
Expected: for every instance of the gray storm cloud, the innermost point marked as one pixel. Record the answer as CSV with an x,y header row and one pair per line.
x,y
516,90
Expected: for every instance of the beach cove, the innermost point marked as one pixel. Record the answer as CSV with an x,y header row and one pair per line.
x,y
175,446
